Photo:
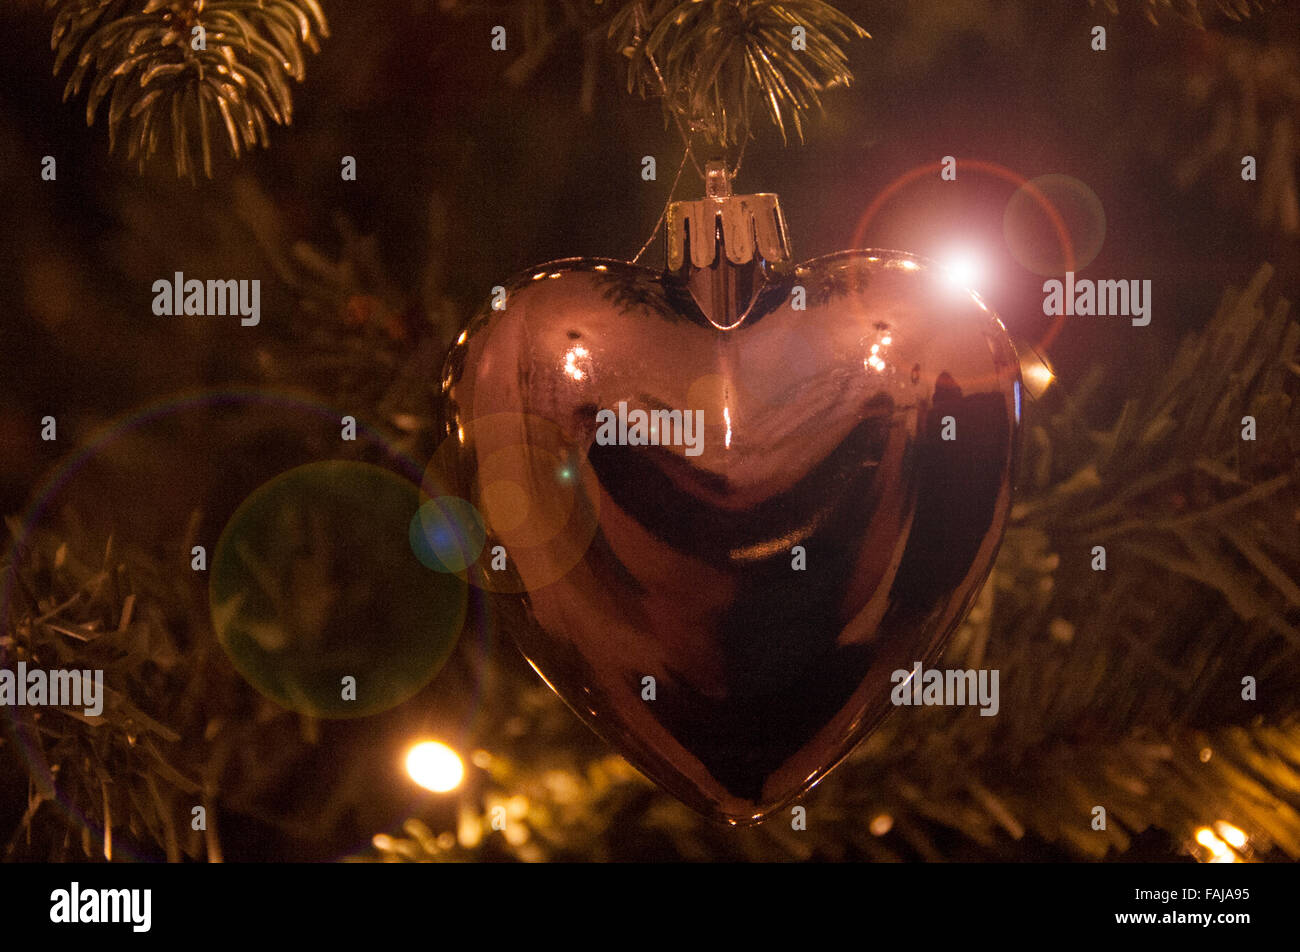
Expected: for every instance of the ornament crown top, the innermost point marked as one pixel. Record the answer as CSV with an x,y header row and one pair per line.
x,y
744,228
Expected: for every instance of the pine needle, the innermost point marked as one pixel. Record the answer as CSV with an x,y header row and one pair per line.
x,y
163,66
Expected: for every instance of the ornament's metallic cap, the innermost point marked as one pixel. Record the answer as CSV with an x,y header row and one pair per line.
x,y
752,225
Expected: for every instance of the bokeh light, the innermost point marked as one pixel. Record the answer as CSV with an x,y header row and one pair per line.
x,y
1032,234
435,766
313,583
447,534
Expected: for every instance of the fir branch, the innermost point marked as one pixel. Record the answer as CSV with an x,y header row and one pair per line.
x,y
124,765
717,63
165,79
1191,11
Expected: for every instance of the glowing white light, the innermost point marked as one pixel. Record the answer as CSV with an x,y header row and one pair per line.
x,y
1205,836
726,415
435,766
1219,849
571,362
962,270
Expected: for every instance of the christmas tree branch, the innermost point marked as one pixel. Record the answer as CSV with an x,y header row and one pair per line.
x,y
184,71
716,64
1192,11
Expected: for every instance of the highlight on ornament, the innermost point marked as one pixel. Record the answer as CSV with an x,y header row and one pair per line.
x,y
435,766
1035,371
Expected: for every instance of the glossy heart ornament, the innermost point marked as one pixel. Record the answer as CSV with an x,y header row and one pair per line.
x,y
765,487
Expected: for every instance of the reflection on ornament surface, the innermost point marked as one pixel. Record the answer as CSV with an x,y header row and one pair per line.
x,y
314,582
859,424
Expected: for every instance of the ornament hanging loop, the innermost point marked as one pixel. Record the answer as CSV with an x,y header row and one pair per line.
x,y
717,181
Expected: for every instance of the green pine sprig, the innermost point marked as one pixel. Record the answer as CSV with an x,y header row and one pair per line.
x,y
167,81
1190,10
719,63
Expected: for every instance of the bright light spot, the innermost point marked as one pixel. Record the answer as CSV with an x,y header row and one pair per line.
x,y
554,274
602,267
461,338
1231,833
962,270
909,265
1206,754
726,415
435,766
1036,371
1205,836
469,828
571,359
886,340
882,824
875,348
1038,377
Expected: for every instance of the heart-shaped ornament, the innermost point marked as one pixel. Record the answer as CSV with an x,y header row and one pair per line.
x,y
727,501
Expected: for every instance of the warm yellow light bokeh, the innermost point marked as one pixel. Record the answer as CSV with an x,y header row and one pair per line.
x,y
435,766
